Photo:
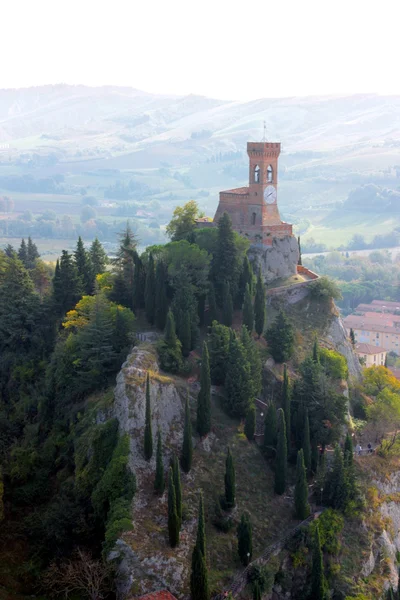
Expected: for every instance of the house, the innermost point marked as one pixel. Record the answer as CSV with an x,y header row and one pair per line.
x,y
373,356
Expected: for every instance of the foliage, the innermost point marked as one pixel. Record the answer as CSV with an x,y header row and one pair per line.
x,y
302,506
230,481
226,262
281,455
259,306
250,422
248,312
238,388
245,539
173,518
330,526
254,360
280,338
161,299
150,291
199,576
270,430
159,480
187,446
183,222
334,363
286,405
227,305
318,583
324,288
203,423
178,487
306,443
219,352
170,348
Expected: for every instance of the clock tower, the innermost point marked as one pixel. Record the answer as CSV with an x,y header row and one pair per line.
x,y
254,209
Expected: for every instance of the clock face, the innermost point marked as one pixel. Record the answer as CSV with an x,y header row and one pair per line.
x,y
270,194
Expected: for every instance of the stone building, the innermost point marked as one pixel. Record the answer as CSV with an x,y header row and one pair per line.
x,y
254,214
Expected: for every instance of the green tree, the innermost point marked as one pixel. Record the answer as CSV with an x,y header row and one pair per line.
x,y
348,450
183,223
219,352
98,258
230,481
66,285
84,267
124,268
226,262
286,405
281,455
318,583
227,305
259,306
150,291
250,422
315,354
187,447
302,506
159,481
352,337
254,360
246,278
203,424
199,575
169,348
212,305
184,307
178,487
248,313
173,519
336,487
257,594
280,338
245,539
306,445
238,389
139,282
23,253
270,430
148,433
32,254
299,262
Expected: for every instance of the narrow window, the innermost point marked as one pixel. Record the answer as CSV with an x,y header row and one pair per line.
x,y
269,173
253,218
256,174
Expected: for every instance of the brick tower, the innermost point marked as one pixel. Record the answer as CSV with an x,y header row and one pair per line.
x,y
254,209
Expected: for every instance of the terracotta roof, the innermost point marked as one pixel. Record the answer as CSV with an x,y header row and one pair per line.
x,y
161,595
386,303
243,191
369,324
369,349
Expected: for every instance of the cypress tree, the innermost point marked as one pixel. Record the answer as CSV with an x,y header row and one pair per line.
x,y
280,338
212,305
281,455
124,268
238,388
227,310
203,424
161,300
259,306
185,333
254,360
83,266
169,348
302,506
199,576
348,451
300,262
159,482
314,456
286,405
270,430
150,290
230,481
69,282
336,483
187,446
352,337
139,282
173,519
178,487
225,266
23,253
318,584
390,594
201,306
248,313
32,254
246,278
316,351
245,539
257,595
148,434
306,446
250,422
219,340
98,258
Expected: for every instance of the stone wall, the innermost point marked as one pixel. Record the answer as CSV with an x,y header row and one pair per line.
x,y
278,261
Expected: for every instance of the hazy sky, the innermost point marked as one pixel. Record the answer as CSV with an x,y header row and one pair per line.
x,y
226,49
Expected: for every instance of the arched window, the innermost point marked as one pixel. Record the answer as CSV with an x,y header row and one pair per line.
x,y
256,174
253,218
270,173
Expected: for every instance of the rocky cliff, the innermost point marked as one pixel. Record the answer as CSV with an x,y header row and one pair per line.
x,y
278,261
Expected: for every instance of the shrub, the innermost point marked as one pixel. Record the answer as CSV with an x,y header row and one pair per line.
x,y
325,288
335,363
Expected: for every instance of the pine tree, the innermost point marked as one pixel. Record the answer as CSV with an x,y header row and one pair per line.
x,y
259,306
148,434
348,451
281,455
230,481
199,576
98,258
248,313
187,447
124,268
245,539
212,305
32,254
316,351
352,337
68,284
178,487
238,389
83,267
159,482
173,519
270,430
286,405
150,290
280,338
203,424
302,506
318,584
227,305
300,262
254,360
23,253
250,422
169,348
306,445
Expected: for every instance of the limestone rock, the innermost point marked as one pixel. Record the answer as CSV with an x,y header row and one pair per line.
x,y
336,334
278,261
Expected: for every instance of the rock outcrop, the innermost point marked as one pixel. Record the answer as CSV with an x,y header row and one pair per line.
x,y
278,261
